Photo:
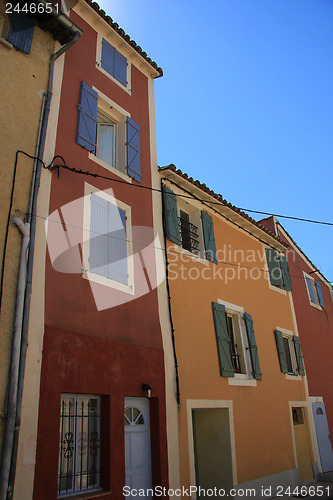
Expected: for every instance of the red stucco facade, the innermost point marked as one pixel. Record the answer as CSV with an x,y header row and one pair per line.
x,y
315,325
108,352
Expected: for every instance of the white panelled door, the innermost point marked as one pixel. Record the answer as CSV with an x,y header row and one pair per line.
x,y
323,436
137,445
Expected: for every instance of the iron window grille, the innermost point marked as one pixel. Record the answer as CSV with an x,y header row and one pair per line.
x,y
188,233
235,357
79,450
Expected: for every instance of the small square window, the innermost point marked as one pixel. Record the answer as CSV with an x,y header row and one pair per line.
x,y
79,444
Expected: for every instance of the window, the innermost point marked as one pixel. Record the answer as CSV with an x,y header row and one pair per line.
x,y
236,343
278,269
106,131
289,353
80,444
188,227
113,62
21,32
314,291
107,253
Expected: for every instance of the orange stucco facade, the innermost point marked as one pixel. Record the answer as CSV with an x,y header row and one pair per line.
x,y
259,410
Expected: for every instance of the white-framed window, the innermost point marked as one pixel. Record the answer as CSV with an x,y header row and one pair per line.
x,y
109,133
278,270
236,344
112,63
188,226
79,444
314,290
289,352
107,244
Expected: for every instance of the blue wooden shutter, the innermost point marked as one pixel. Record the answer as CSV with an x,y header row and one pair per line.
x,y
21,32
320,293
87,118
274,267
120,68
299,355
209,238
114,62
108,243
108,57
222,340
133,149
285,273
252,346
281,351
171,215
310,289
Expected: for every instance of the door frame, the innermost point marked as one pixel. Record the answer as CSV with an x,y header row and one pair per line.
x,y
202,404
133,400
310,431
312,407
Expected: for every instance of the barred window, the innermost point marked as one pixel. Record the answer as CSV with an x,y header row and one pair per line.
x,y
79,450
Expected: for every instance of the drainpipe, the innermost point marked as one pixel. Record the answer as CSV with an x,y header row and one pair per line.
x,y
9,457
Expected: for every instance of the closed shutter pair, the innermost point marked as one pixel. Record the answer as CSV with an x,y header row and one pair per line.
x,y
223,342
172,229
278,269
282,354
86,134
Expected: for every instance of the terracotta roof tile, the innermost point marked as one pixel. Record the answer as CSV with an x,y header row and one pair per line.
x,y
121,32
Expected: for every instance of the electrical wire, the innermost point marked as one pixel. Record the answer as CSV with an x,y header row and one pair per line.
x,y
8,217
57,167
67,226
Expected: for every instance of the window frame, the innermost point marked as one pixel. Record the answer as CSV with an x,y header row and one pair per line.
x,y
315,304
237,314
75,477
289,335
128,86
114,114
277,288
91,276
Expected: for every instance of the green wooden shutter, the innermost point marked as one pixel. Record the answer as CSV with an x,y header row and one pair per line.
x,y
209,239
281,351
222,340
252,346
285,273
274,267
171,216
299,355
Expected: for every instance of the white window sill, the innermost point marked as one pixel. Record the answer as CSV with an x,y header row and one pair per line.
x,y
289,376
276,288
111,169
101,280
317,306
190,255
5,43
102,70
241,379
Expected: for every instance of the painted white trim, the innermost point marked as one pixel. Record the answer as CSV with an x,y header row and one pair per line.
x,y
129,288
197,404
311,432
289,334
190,255
111,103
111,169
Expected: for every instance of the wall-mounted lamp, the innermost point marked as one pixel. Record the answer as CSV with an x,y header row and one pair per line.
x,y
147,388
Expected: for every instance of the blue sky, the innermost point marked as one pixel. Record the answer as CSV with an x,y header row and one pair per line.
x,y
246,102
